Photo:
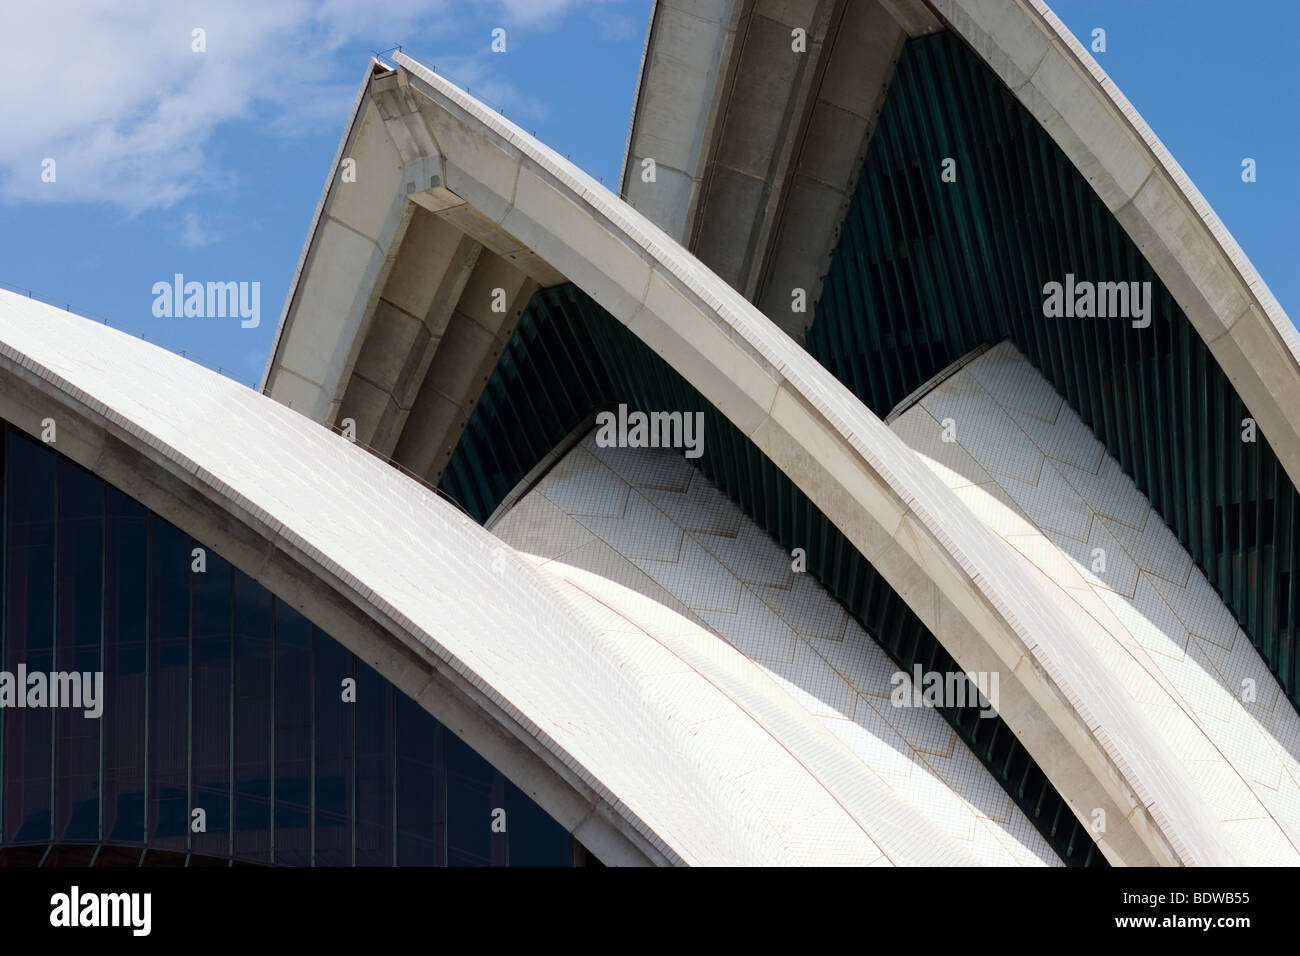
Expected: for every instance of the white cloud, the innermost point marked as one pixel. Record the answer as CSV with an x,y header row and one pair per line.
x,y
194,233
115,95
534,13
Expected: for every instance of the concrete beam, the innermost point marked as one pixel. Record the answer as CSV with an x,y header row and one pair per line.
x,y
913,16
689,50
350,250
367,358
468,352
432,267
831,148
766,100
757,148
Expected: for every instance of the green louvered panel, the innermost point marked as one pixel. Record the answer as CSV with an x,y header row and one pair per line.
x,y
925,270
571,355
548,379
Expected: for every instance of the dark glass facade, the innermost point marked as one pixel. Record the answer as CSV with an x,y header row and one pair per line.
x,y
216,696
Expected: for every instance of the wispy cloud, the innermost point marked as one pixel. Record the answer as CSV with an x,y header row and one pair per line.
x,y
194,233
545,13
127,108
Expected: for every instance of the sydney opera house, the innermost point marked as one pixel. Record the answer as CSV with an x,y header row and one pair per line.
x,y
900,469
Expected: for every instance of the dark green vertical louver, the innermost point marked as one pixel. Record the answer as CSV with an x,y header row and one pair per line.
x,y
548,379
925,270
570,356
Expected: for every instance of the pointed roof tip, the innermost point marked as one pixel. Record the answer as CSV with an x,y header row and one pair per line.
x,y
405,60
377,63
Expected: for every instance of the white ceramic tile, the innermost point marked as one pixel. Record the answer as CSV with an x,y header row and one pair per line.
x,y
697,579
1001,373
1101,559
1154,549
739,584
1150,618
1050,503
947,459
753,628
663,468
807,607
641,531
1199,607
1066,440
751,554
578,484
1110,492
700,508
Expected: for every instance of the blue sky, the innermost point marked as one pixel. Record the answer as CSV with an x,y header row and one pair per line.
x,y
210,164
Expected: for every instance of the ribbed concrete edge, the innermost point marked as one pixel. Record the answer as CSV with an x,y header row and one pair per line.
x,y
636,95
375,67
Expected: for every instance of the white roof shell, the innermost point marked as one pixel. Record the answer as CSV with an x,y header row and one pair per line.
x,y
593,714
1099,749
985,609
